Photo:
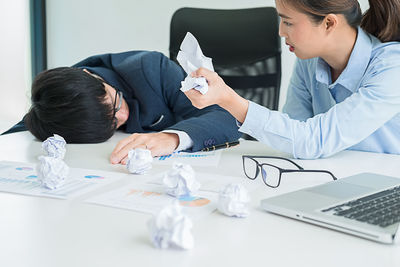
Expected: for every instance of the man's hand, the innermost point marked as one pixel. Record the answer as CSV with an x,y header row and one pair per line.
x,y
159,144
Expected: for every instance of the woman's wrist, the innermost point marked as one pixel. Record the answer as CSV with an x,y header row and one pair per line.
x,y
235,104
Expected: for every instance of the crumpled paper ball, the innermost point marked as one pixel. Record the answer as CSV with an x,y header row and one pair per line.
x,y
171,228
233,200
139,161
200,84
181,180
54,146
52,172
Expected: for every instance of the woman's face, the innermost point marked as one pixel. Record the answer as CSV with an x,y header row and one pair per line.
x,y
304,37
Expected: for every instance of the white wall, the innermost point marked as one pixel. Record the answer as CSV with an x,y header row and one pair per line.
x,y
15,63
80,28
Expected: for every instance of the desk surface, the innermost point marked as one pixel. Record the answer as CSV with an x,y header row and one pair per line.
x,y
42,232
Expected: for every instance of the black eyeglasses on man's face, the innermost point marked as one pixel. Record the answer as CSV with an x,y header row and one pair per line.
x,y
271,174
118,95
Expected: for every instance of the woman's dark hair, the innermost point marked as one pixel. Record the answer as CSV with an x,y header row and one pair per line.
x,y
71,103
382,19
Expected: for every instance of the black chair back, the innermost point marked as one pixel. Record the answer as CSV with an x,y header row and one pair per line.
x,y
244,44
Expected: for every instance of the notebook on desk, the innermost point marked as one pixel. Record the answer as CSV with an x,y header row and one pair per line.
x,y
365,205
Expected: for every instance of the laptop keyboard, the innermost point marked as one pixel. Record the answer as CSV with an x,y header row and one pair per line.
x,y
382,208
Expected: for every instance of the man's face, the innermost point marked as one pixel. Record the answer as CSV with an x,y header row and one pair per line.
x,y
113,99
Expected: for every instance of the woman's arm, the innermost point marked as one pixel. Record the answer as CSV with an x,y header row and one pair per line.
x,y
341,127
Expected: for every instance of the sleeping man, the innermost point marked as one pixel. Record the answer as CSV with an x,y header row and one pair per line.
x,y
137,92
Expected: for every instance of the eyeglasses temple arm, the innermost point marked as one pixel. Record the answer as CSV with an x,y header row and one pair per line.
x,y
324,171
271,157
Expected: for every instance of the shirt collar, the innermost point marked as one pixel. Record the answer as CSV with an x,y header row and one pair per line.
x,y
355,69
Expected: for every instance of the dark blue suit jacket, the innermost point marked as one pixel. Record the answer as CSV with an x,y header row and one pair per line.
x,y
150,83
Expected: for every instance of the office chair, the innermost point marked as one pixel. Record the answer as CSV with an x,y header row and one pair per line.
x,y
244,44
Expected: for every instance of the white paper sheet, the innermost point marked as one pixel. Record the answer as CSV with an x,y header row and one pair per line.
x,y
21,178
151,198
194,159
213,183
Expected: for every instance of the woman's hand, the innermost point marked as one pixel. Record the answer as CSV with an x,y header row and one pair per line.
x,y
218,91
159,144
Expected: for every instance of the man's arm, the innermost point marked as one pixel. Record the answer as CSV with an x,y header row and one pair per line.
x,y
205,127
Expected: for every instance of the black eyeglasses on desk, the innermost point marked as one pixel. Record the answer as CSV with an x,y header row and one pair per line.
x,y
271,174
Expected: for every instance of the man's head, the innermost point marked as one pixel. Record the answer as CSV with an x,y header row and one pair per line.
x,y
72,103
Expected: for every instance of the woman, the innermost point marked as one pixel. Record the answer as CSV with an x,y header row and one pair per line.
x,y
345,89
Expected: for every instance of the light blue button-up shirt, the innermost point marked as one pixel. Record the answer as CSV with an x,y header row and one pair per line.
x,y
359,111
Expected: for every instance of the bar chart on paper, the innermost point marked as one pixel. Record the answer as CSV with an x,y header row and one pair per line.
x,y
21,178
210,158
152,198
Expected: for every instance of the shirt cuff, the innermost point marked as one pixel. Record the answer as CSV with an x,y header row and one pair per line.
x,y
185,142
256,118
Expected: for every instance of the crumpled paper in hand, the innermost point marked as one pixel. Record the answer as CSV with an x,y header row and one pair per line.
x,y
233,200
190,57
181,180
54,146
52,172
171,228
139,161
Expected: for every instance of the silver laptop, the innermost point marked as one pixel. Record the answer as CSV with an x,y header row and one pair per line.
x,y
365,205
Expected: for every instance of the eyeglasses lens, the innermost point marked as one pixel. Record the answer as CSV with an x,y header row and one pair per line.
x,y
118,97
270,175
250,168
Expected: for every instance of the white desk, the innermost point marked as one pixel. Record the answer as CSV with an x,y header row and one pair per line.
x,y
48,232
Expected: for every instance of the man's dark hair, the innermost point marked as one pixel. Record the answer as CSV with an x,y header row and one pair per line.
x,y
70,102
